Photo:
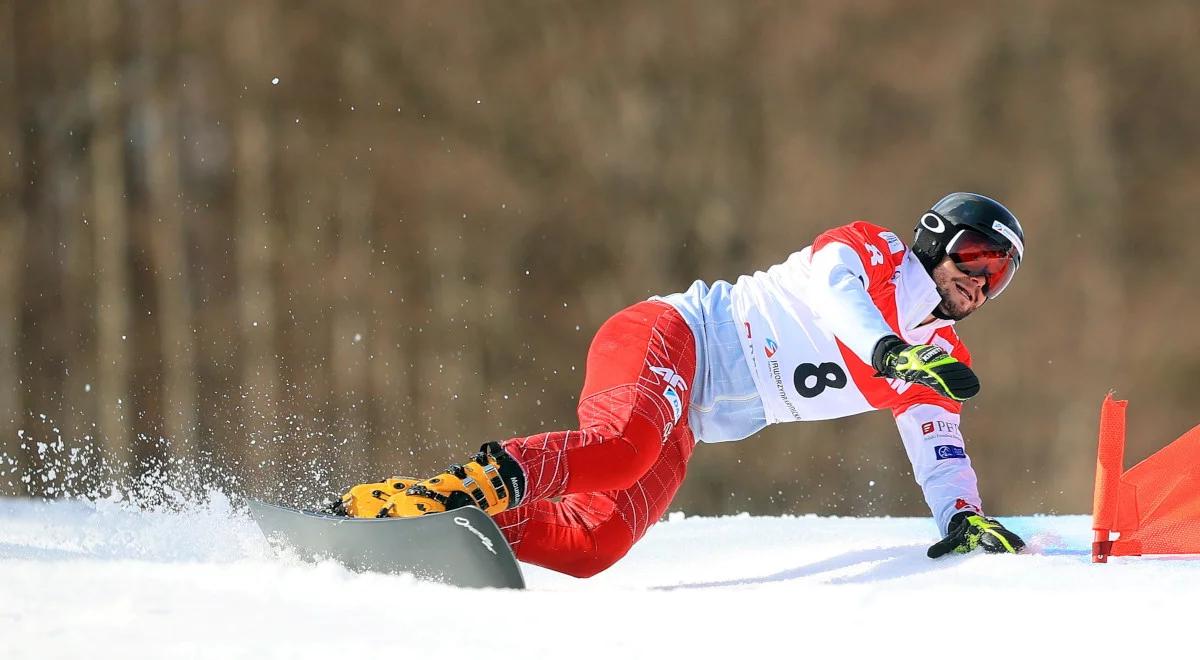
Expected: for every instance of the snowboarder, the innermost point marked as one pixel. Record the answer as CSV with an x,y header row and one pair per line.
x,y
855,322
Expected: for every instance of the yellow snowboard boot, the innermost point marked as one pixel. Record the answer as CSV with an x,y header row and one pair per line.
x,y
369,500
492,480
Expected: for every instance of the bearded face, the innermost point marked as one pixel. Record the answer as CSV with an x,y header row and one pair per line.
x,y
961,294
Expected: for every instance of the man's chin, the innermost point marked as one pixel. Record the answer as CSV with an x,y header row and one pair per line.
x,y
947,312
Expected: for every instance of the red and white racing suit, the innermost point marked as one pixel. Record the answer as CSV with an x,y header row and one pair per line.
x,y
793,343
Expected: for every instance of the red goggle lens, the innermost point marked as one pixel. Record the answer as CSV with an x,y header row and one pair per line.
x,y
979,256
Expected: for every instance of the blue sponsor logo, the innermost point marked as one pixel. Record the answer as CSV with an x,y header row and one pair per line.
x,y
673,398
948,451
771,347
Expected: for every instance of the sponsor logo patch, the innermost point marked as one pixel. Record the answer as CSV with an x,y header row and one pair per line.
x,y
771,347
948,451
894,243
961,504
676,404
1010,235
778,378
940,428
670,377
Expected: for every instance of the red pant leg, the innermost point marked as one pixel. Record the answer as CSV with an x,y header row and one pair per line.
x,y
636,389
585,533
618,473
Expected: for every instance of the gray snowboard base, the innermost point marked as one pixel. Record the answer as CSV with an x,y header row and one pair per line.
x,y
462,547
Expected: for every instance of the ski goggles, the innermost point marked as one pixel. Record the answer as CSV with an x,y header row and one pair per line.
x,y
979,255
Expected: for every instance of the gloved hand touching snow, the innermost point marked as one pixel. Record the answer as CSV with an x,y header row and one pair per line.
x,y
970,530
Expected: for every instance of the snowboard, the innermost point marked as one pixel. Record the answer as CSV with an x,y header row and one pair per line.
x,y
462,547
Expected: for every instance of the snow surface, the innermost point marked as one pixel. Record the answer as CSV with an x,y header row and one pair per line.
x,y
104,580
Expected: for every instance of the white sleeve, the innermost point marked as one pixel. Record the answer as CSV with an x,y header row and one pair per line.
x,y
939,460
837,290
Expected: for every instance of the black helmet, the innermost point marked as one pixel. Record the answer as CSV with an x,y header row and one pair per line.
x,y
986,218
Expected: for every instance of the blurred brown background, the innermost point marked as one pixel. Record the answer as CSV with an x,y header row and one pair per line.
x,y
298,244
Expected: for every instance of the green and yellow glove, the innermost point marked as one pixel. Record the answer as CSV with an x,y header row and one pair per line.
x,y
969,530
925,364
